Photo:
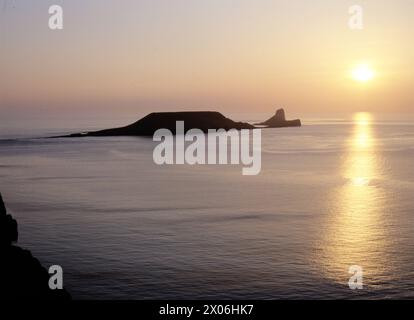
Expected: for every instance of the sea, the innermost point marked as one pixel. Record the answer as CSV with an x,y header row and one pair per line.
x,y
332,206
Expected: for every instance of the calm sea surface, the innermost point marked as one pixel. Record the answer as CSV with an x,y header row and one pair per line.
x,y
330,195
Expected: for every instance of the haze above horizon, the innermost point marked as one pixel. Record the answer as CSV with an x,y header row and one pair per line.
x,y
221,55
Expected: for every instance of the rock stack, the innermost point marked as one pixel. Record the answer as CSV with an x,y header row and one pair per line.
x,y
279,121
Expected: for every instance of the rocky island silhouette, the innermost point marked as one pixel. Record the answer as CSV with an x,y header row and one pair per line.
x,y
203,120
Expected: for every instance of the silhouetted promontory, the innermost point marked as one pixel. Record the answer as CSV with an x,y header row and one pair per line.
x,y
203,120
21,275
279,121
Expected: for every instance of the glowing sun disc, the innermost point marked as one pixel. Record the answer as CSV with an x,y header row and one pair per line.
x,y
362,73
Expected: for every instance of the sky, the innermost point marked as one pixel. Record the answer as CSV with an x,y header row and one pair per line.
x,y
227,55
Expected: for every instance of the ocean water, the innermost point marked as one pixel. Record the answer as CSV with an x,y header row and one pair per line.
x,y
332,194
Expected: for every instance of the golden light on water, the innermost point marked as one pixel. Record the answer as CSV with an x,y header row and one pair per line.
x,y
362,119
355,225
362,162
362,139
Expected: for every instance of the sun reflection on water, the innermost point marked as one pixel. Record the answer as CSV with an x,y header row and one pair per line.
x,y
361,166
355,226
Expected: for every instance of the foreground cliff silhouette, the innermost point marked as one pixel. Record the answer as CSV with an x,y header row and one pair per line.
x,y
21,275
203,120
279,121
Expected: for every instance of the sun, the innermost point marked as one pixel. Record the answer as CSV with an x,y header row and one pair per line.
x,y
362,73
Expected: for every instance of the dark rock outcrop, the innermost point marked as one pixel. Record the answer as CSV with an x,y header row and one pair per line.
x,y
146,126
8,227
21,275
279,121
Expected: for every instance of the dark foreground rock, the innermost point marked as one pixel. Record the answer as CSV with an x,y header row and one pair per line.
x,y
21,275
167,120
279,121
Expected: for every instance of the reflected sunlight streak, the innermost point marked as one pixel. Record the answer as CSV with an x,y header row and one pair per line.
x,y
355,224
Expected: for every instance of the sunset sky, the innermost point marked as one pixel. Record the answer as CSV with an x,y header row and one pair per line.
x,y
224,55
